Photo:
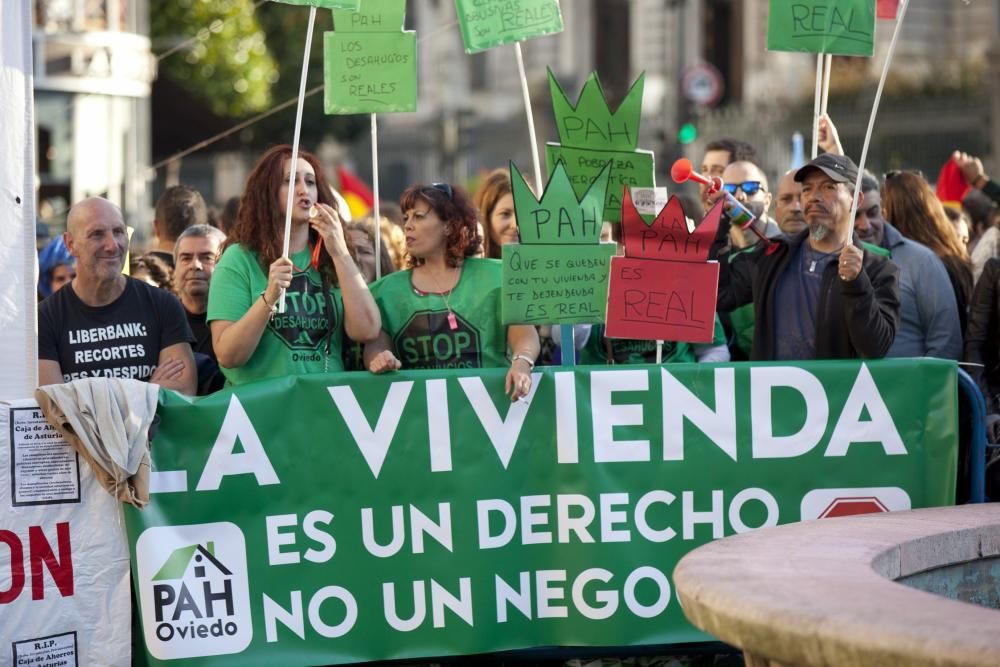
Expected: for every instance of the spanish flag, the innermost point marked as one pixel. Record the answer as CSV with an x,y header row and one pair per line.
x,y
887,9
359,198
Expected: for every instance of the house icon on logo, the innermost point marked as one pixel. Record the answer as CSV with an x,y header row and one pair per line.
x,y
176,566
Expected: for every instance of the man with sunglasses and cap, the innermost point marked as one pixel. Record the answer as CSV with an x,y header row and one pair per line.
x,y
819,294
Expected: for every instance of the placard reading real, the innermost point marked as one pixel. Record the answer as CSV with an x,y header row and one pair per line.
x,y
840,27
656,300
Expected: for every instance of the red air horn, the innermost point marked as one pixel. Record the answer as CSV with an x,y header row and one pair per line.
x,y
682,171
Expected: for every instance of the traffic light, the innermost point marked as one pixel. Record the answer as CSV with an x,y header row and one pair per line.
x,y
687,133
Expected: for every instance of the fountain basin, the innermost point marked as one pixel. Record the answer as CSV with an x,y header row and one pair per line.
x,y
832,592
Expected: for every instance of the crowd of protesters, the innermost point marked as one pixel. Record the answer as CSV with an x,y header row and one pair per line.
x,y
914,274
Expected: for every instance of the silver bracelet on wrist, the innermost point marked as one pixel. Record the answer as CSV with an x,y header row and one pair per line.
x,y
273,309
525,358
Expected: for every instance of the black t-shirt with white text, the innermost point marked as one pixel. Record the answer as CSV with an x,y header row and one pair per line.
x,y
122,339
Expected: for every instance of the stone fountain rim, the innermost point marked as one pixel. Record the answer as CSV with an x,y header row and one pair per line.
x,y
824,592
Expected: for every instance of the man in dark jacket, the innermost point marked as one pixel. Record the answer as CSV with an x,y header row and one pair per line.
x,y
815,295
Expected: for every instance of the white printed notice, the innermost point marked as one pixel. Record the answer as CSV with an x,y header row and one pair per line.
x,y
51,651
45,468
649,201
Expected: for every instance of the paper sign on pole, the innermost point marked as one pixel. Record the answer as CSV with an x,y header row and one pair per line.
x,y
664,288
369,62
558,273
591,135
838,27
489,23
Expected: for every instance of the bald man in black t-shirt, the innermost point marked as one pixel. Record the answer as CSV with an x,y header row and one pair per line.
x,y
105,324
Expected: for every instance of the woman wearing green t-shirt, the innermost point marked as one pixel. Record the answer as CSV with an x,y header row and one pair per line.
x,y
444,312
325,293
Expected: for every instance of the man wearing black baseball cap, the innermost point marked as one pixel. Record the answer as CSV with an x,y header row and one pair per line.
x,y
818,294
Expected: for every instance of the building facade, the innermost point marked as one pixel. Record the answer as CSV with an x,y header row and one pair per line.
x,y
706,64
92,69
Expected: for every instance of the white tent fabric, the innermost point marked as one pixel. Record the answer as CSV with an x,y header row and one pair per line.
x,y
18,262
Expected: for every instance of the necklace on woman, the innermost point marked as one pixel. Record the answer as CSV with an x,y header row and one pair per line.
x,y
452,320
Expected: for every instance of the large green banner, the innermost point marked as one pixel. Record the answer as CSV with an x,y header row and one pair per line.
x,y
347,517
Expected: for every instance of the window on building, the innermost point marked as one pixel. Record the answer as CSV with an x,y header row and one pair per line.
x,y
478,63
722,37
612,56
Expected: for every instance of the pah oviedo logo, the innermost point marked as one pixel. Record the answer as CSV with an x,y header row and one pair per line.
x,y
194,592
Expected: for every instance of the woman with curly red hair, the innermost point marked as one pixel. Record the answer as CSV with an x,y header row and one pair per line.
x,y
444,312
325,293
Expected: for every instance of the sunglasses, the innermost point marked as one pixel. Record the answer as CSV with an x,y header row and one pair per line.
x,y
444,188
749,188
896,172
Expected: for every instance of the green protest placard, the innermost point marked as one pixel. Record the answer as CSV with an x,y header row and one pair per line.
x,y
590,123
840,27
369,72
562,215
369,62
352,517
324,4
372,16
551,284
591,135
631,168
489,23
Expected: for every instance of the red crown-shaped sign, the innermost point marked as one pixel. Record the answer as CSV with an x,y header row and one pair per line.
x,y
668,238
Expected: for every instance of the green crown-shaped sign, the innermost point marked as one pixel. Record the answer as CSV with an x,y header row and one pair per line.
x,y
590,123
559,217
373,16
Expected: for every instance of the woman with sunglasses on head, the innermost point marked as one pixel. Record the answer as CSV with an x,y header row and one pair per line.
x,y
444,312
325,294
911,207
